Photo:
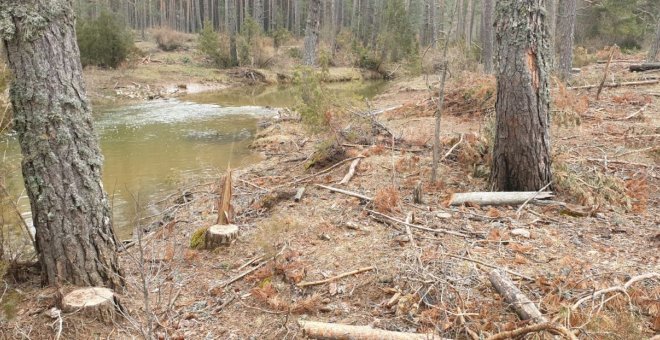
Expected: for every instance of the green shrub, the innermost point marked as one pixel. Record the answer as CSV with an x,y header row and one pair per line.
x,y
104,41
168,39
295,53
280,36
313,102
210,44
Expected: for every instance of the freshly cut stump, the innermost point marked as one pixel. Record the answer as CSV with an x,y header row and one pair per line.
x,y
220,235
100,303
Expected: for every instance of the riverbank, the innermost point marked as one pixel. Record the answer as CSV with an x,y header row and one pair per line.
x,y
431,276
161,74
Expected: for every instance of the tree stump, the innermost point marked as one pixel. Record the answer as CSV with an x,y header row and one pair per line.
x,y
220,235
100,303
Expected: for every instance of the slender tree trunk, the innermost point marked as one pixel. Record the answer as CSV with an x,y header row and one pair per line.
x,y
487,36
655,46
552,31
296,17
312,32
231,14
468,23
61,156
566,30
521,156
461,20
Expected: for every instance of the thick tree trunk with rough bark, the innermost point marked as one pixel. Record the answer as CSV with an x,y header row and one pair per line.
x,y
61,156
312,32
655,46
565,32
521,156
487,36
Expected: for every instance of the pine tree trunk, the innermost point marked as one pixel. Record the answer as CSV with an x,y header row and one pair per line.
x,y
655,46
312,32
61,157
231,15
468,24
521,156
487,36
566,32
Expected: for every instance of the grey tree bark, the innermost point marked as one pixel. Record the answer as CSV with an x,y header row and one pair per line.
x,y
655,46
551,6
565,34
231,14
487,36
521,155
312,32
61,157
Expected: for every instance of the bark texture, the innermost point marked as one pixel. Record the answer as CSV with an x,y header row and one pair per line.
x,y
312,32
521,156
565,31
487,36
61,156
655,46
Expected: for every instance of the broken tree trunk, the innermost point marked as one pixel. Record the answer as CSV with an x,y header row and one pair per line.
x,y
332,331
644,67
97,302
630,83
351,171
520,303
498,198
220,235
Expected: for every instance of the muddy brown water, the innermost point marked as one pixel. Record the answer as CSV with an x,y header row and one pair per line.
x,y
151,148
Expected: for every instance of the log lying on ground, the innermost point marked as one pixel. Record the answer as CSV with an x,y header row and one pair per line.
x,y
332,331
498,198
351,171
220,235
96,302
630,83
521,304
644,67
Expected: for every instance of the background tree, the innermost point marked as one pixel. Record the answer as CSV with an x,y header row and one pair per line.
x,y
487,36
312,32
521,156
655,45
565,35
61,156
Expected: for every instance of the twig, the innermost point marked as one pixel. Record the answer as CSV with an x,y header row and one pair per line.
x,y
650,148
249,262
345,192
439,230
325,170
631,83
492,266
607,68
242,275
335,278
533,328
351,171
531,198
621,289
452,149
410,218
634,114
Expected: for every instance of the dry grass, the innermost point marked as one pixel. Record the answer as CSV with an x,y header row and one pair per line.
x,y
387,200
170,40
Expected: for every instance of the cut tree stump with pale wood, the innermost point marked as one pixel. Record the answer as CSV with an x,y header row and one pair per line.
x,y
220,235
96,302
499,198
333,331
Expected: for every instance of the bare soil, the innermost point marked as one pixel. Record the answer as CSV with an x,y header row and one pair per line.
x,y
604,230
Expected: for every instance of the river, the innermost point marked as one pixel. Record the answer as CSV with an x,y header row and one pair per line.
x,y
152,148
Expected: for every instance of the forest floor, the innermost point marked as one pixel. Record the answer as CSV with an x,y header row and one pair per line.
x,y
601,229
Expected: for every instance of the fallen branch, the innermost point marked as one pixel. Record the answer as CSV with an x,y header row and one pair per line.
x,y
621,289
630,83
644,67
335,278
299,194
326,170
492,266
531,329
351,171
634,114
333,331
346,192
498,198
522,305
452,149
419,227
607,68
242,275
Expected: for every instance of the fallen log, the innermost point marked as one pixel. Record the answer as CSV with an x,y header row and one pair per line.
x,y
644,67
351,171
96,302
498,198
521,304
630,83
333,331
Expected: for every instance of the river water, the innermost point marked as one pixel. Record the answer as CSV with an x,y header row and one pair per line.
x,y
152,147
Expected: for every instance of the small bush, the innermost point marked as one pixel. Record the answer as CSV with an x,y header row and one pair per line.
x,y
295,53
280,36
215,48
104,41
313,102
167,39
